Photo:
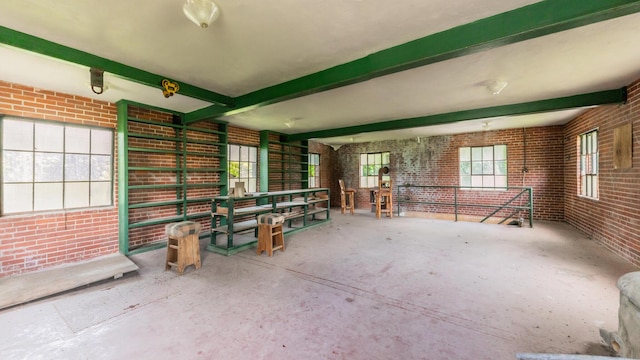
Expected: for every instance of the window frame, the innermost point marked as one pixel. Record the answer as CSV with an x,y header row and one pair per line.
x,y
249,185
64,180
370,180
313,178
480,166
588,164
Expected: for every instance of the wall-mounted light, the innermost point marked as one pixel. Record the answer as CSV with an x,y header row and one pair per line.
x,y
201,12
97,80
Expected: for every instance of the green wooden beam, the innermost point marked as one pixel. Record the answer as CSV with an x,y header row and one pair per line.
x,y
123,177
35,44
617,96
535,20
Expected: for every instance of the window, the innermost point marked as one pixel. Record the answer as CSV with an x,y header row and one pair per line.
x,y
53,166
314,170
243,166
483,167
369,166
588,144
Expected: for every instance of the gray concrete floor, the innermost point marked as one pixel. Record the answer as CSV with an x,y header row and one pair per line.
x,y
353,288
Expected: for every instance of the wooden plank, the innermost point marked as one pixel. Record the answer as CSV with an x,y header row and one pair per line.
x,y
28,287
622,147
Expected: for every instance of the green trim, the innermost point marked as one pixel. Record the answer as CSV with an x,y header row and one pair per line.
x,y
618,96
35,44
535,20
123,178
264,160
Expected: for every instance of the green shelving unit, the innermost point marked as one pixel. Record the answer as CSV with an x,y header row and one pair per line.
x,y
284,165
167,172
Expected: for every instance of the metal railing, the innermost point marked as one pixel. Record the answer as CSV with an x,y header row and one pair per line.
x,y
497,199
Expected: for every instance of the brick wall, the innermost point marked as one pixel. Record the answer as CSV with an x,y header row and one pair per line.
x,y
327,179
613,220
36,241
434,161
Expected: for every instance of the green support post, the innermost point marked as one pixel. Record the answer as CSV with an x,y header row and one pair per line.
x,y
264,160
123,177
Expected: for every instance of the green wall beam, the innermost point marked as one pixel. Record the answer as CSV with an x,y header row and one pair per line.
x,y
617,96
35,44
535,20
123,177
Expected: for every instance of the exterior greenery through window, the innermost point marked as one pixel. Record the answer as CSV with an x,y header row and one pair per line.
x,y
243,166
54,166
314,170
588,144
369,165
483,167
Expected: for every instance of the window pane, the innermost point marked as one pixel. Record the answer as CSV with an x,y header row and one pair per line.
x,y
465,168
100,193
76,168
244,153
77,140
487,153
363,159
371,159
476,167
385,158
252,185
76,194
253,154
465,154
48,168
500,152
465,180
49,137
377,159
487,167
363,182
100,167
17,198
47,196
17,135
595,186
253,170
501,181
17,166
101,141
476,181
501,167
476,153
487,181
244,170
234,152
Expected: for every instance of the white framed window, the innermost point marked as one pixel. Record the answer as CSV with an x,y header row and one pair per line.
x,y
483,167
55,166
588,163
243,166
314,170
370,164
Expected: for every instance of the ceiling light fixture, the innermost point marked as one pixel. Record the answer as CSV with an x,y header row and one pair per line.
x,y
201,12
495,86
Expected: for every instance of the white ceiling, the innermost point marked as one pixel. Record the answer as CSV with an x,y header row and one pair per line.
x,y
256,44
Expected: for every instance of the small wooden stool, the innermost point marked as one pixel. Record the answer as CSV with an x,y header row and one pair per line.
x,y
384,195
270,235
183,245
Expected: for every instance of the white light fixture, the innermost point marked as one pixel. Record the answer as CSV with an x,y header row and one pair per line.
x,y
201,12
495,86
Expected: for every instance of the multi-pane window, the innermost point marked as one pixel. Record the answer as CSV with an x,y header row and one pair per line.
x,y
369,166
588,143
314,170
53,166
483,167
243,166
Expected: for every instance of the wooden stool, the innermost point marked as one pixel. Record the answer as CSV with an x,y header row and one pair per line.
x,y
270,235
347,198
183,245
384,194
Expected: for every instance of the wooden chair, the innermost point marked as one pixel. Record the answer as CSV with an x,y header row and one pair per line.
x,y
384,195
347,198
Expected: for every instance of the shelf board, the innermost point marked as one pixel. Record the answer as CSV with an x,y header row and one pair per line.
x,y
156,221
156,203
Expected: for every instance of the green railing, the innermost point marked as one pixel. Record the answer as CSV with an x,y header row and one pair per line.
x,y
514,199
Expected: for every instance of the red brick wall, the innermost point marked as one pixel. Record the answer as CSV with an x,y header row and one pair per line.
x,y
434,161
36,241
613,220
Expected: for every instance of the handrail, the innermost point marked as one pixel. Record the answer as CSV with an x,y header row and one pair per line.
x,y
456,204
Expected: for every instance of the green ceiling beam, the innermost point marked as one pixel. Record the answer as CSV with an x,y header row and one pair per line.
x,y
535,20
617,96
35,44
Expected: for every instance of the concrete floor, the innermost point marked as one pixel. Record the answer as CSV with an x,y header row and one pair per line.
x,y
353,288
